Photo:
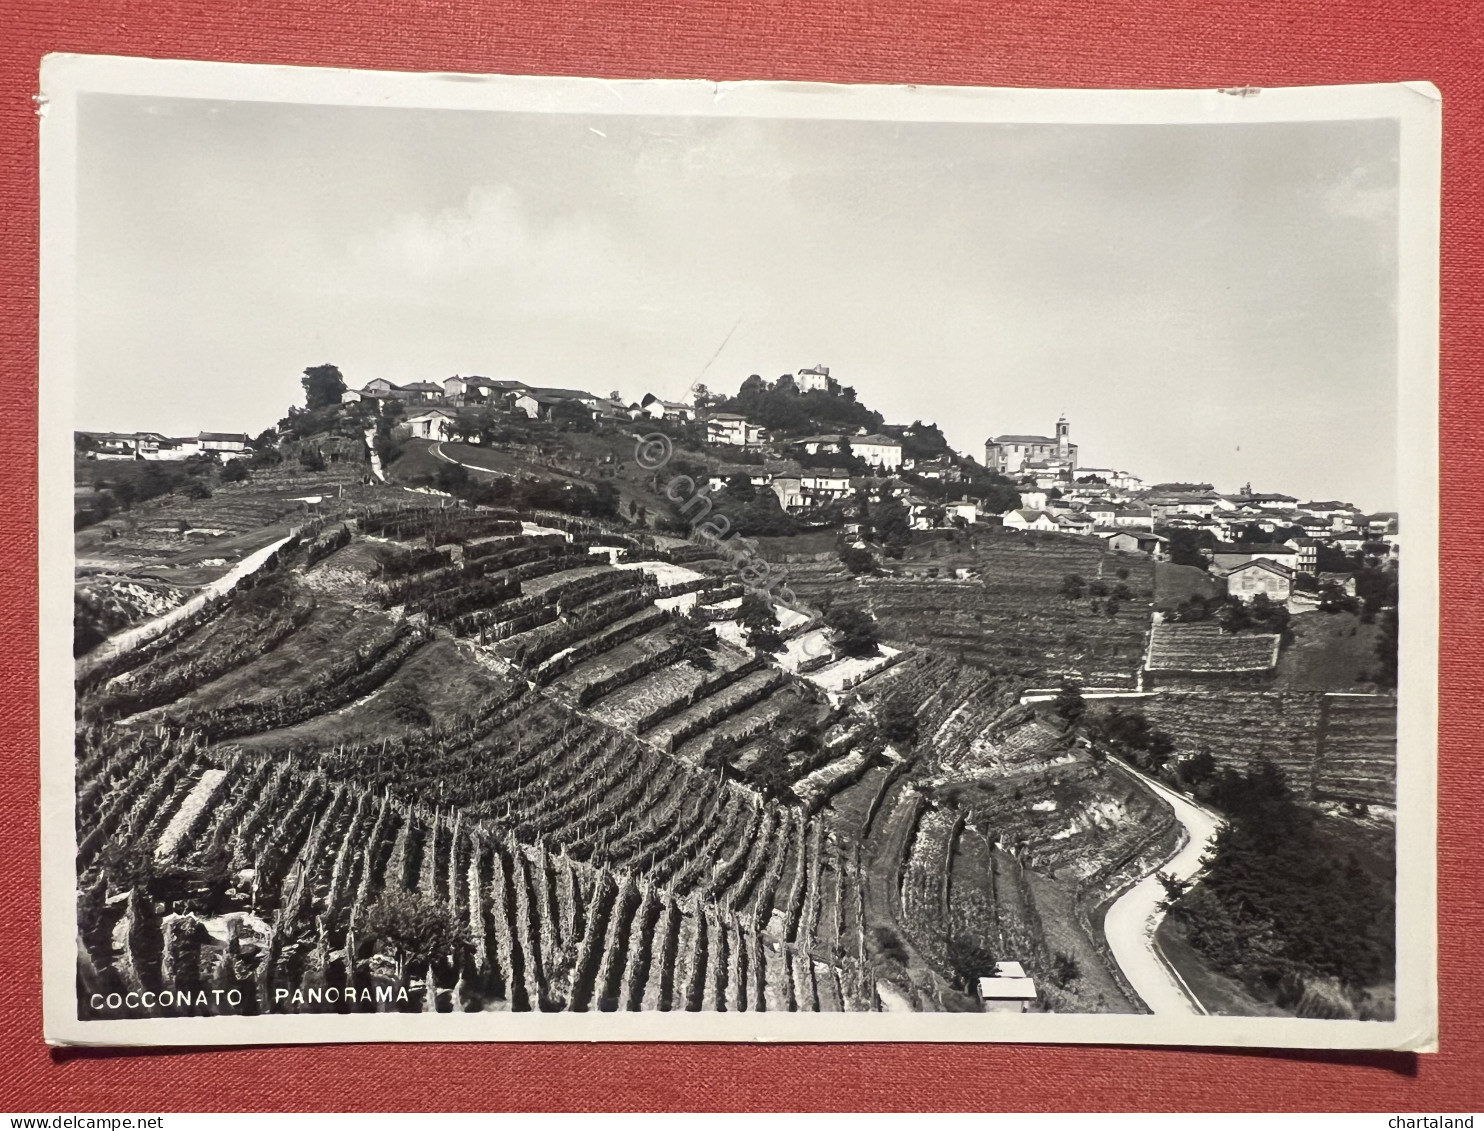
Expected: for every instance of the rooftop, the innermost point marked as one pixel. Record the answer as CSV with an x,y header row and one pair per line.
x,y
1262,563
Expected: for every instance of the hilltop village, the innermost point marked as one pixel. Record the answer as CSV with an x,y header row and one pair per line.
x,y
481,695
1257,543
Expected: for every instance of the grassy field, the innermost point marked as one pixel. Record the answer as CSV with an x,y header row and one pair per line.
x,y
1329,652
1175,583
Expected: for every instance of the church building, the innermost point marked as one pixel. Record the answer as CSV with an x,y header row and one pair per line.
x,y
1010,455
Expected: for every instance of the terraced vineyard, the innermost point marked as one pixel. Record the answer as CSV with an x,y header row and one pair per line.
x,y
261,789
1011,615
1206,650
432,756
1330,746
1356,760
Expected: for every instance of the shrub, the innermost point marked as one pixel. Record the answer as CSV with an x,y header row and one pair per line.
x,y
858,560
855,631
413,926
899,723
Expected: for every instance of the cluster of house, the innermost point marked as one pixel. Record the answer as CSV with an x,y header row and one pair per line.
x,y
803,490
1059,495
155,446
432,411
431,408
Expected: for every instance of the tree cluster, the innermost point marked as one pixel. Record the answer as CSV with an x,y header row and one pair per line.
x,y
855,631
779,407
1258,615
1279,905
1126,731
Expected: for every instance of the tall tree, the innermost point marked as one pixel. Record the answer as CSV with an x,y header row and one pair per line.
x,y
323,386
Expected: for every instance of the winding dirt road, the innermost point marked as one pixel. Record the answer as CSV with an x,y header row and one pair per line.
x,y
131,638
1132,920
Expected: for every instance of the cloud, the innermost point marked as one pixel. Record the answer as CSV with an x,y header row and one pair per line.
x,y
490,240
1364,194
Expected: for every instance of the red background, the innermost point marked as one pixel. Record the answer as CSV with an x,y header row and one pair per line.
x,y
1016,43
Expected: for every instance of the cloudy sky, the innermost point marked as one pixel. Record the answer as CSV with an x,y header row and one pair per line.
x,y
1213,303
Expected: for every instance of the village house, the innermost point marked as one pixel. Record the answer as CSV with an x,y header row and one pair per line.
x,y
816,444
1009,454
535,406
966,509
1344,582
882,452
179,447
734,430
757,477
1182,489
825,486
108,445
1308,553
1260,576
1029,520
172,448
790,496
143,445
480,390
1201,506
1313,527
423,391
542,404
1047,474
223,443
1226,556
940,470
922,513
580,396
1324,509
1270,502
610,410
1033,499
1010,990
351,396
1102,513
1134,516
1384,522
1074,522
434,424
1140,541
657,409
816,380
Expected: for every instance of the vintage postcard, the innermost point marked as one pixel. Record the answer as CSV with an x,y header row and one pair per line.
x,y
539,558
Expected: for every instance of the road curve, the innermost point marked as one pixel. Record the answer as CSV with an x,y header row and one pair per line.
x,y
131,638
436,448
1133,918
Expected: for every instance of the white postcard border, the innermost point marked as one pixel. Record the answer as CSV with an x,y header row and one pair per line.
x,y
1416,106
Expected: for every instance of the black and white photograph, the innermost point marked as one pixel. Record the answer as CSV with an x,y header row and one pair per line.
x,y
578,559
